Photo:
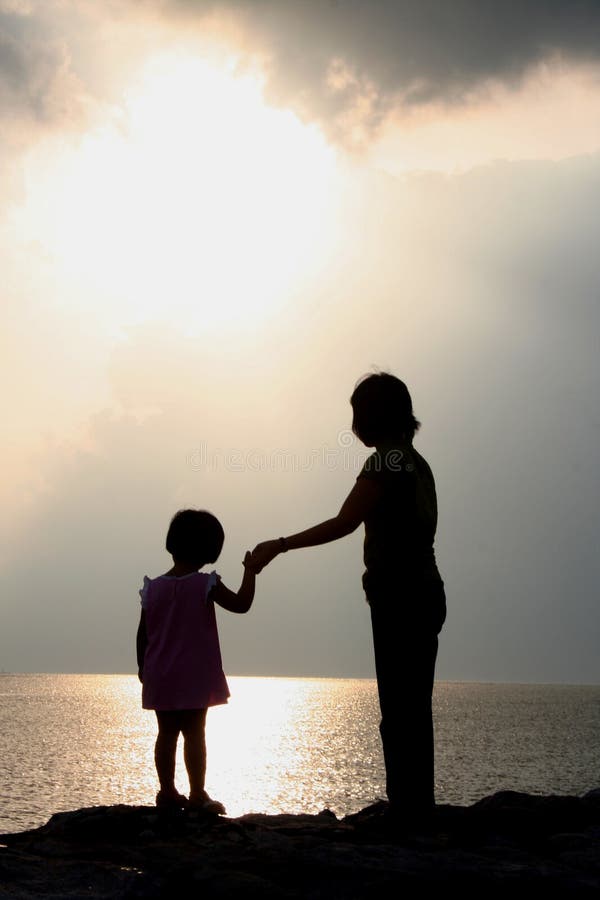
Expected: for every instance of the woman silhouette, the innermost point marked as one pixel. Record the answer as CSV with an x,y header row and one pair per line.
x,y
394,495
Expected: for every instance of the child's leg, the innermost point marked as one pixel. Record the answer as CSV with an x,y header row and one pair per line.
x,y
169,726
194,753
194,749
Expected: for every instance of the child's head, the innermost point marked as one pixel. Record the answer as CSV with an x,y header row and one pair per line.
x,y
195,537
382,409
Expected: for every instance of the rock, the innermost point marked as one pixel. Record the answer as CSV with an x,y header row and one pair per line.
x,y
508,842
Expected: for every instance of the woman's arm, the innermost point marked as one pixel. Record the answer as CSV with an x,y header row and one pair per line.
x,y
356,507
241,601
141,642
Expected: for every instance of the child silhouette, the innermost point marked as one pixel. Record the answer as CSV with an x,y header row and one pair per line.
x,y
178,653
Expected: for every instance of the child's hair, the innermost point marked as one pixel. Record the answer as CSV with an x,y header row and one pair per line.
x,y
382,409
195,536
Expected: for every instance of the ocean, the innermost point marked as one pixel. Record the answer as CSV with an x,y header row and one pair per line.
x,y
284,744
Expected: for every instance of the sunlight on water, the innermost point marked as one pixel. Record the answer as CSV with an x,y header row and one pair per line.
x,y
286,745
283,744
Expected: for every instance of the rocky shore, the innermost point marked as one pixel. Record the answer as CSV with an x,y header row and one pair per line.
x,y
508,844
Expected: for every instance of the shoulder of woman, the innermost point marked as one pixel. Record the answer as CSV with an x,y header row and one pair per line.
x,y
388,460
372,466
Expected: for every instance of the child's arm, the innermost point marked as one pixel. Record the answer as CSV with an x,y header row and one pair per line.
x,y
242,601
141,642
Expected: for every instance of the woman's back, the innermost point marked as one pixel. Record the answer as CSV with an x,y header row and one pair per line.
x,y
400,531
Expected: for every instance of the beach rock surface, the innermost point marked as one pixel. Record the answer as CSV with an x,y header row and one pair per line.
x,y
508,844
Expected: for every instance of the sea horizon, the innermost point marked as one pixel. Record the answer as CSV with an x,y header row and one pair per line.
x,y
332,678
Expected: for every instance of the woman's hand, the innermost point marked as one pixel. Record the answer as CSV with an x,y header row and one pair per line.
x,y
263,554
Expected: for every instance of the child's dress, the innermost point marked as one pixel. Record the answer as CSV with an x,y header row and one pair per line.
x,y
182,663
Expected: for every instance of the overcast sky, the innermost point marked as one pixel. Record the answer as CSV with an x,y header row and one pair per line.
x,y
214,218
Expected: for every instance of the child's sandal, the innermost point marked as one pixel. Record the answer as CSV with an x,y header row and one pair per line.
x,y
203,803
171,801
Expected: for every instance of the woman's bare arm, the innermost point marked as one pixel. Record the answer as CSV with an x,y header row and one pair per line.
x,y
356,507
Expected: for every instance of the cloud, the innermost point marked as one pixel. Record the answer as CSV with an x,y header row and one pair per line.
x,y
37,82
346,63
553,115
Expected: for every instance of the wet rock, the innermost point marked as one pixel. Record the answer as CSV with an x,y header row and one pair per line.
x,y
508,842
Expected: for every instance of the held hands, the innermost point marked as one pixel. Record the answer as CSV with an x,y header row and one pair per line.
x,y
253,563
263,554
249,564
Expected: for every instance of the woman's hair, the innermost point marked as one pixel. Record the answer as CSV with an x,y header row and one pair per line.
x,y
195,536
382,409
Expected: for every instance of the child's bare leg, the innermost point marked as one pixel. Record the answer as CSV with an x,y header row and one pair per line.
x,y
169,726
194,753
194,749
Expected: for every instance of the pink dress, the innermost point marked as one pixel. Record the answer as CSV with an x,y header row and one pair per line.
x,y
182,664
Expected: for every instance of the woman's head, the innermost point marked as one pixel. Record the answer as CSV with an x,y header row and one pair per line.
x,y
195,537
382,409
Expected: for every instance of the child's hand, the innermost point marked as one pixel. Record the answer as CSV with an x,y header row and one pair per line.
x,y
263,554
250,564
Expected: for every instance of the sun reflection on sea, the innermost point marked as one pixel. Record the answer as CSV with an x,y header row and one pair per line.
x,y
274,732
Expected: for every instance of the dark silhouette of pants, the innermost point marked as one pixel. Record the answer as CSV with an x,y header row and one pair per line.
x,y
406,622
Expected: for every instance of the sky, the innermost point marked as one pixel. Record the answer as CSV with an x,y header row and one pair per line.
x,y
215,217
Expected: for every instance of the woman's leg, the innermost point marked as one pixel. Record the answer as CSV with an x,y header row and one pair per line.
x,y
194,749
165,749
404,679
405,629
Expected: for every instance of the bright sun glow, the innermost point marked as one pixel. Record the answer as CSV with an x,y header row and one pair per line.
x,y
204,204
